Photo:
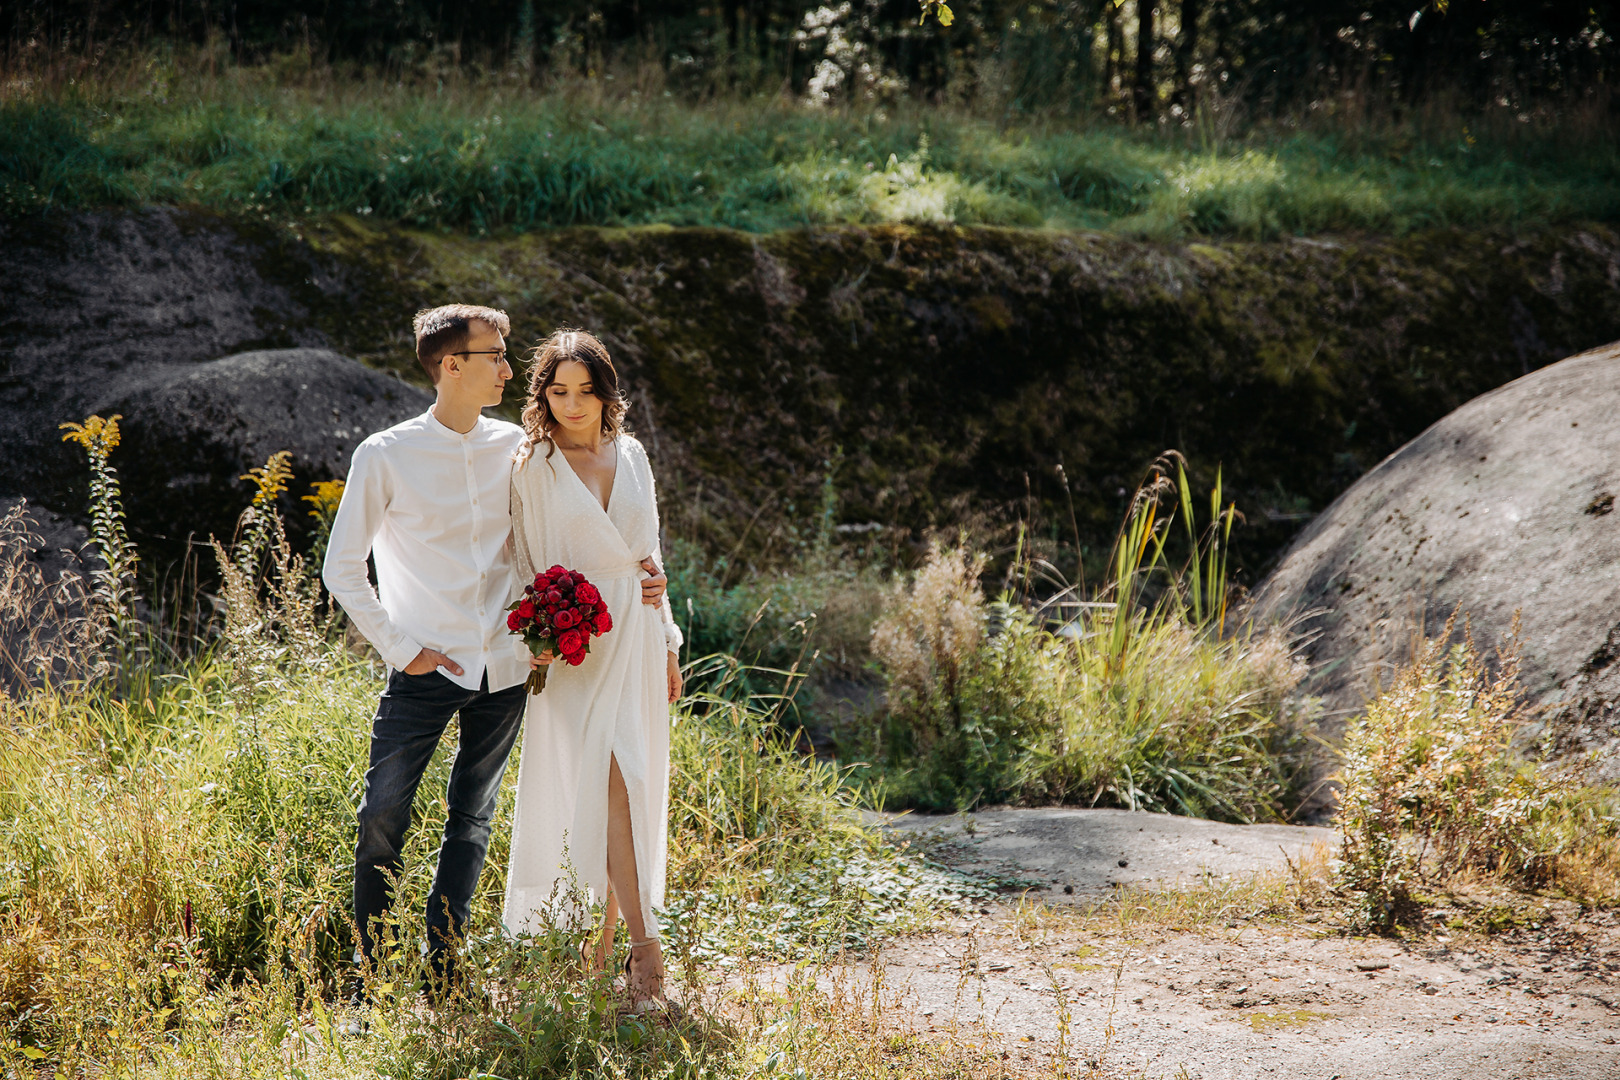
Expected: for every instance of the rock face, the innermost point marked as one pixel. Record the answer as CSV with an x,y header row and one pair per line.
x,y
1506,505
940,375
132,313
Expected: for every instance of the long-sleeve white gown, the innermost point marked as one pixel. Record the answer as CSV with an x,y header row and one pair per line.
x,y
615,703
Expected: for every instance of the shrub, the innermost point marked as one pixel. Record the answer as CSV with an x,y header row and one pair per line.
x,y
1434,784
777,631
1125,702
928,636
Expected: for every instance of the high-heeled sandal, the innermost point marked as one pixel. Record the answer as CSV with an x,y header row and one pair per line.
x,y
643,999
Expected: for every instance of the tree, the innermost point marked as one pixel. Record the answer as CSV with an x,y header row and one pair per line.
x,y
1144,94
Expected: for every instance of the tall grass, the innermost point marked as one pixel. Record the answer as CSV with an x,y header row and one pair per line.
x,y
291,141
1117,700
175,853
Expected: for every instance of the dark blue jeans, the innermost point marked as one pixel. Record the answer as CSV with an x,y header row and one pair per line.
x,y
412,715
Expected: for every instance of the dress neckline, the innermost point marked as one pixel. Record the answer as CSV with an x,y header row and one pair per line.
x,y
613,485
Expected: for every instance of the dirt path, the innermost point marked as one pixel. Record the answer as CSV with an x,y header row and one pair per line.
x,y
1294,997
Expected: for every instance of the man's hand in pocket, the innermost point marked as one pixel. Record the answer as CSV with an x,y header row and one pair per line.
x,y
428,661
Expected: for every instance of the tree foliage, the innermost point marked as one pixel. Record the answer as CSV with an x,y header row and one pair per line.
x,y
1148,60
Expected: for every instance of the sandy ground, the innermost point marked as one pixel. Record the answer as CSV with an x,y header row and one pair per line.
x,y
1243,999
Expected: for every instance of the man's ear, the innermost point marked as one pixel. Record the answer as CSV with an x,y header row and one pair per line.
x,y
450,366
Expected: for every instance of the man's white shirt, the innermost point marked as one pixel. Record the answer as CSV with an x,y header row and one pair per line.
x,y
432,506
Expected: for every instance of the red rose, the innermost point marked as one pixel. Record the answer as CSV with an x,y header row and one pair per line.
x,y
525,610
587,594
514,622
571,642
577,577
603,623
601,606
566,618
556,572
553,597
575,659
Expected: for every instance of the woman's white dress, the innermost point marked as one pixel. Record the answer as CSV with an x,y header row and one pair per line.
x,y
614,704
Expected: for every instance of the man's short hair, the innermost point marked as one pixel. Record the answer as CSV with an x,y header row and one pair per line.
x,y
443,330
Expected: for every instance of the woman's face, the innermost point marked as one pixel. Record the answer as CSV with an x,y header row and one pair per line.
x,y
573,401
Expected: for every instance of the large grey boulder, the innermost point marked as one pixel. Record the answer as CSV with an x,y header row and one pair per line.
x,y
1505,505
190,432
132,312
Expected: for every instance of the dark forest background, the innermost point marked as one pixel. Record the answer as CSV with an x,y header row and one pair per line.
x,y
1138,60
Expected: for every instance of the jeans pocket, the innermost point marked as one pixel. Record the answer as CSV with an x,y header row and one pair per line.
x,y
405,681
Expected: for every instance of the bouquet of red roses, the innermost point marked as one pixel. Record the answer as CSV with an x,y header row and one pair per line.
x,y
560,612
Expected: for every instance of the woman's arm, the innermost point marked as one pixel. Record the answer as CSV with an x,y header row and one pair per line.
x,y
522,557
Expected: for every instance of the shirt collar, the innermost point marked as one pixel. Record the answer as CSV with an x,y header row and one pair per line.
x,y
436,425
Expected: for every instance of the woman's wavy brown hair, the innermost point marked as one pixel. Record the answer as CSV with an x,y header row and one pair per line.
x,y
562,345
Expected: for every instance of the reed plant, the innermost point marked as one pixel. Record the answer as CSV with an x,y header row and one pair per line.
x,y
51,627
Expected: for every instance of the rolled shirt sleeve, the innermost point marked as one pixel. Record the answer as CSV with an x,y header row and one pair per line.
x,y
359,518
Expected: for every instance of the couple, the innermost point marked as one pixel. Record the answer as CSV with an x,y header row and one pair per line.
x,y
459,511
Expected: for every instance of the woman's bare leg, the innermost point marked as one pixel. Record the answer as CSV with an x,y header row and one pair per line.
x,y
648,960
610,925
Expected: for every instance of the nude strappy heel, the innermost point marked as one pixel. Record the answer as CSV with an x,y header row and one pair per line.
x,y
645,995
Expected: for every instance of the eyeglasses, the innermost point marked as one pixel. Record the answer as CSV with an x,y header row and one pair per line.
x,y
498,354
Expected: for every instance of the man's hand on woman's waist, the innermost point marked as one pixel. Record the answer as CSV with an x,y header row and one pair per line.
x,y
652,588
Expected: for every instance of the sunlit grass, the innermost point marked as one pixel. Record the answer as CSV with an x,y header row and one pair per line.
x,y
484,157
175,884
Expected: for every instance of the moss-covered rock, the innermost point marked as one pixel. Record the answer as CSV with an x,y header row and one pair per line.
x,y
952,369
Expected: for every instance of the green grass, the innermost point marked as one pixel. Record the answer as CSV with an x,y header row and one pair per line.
x,y
174,864
484,158
175,853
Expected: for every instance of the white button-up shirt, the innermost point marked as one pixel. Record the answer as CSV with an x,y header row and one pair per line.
x,y
433,507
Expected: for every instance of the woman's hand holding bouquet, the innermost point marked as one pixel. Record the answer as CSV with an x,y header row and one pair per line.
x,y
559,614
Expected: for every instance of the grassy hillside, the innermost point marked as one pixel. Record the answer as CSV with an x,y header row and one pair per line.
x,y
294,142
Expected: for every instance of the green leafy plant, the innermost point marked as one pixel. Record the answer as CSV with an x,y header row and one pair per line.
x,y
1435,785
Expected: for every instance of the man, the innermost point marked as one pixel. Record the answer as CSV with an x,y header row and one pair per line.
x,y
428,499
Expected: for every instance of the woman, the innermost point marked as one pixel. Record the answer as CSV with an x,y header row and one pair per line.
x,y
593,786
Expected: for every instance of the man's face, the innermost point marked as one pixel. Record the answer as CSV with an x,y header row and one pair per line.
x,y
481,367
